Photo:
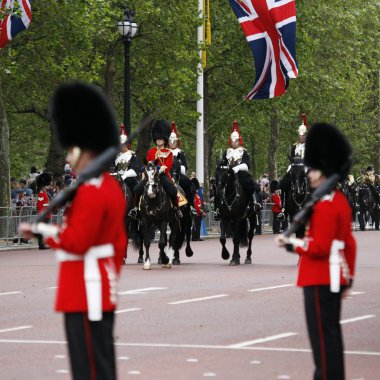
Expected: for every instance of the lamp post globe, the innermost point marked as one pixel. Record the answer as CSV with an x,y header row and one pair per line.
x,y
127,29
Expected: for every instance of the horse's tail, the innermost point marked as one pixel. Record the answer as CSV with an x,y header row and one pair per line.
x,y
244,233
134,234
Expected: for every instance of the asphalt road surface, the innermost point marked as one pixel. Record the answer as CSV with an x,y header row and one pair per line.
x,y
198,320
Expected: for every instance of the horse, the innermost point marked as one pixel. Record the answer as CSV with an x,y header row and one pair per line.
x,y
233,210
186,221
350,191
368,207
156,210
296,189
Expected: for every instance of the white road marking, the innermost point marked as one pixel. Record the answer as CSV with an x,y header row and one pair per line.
x,y
261,340
356,319
134,373
52,287
198,299
8,293
59,356
198,346
283,377
62,371
16,328
192,360
270,288
209,374
126,310
139,291
255,362
356,293
123,357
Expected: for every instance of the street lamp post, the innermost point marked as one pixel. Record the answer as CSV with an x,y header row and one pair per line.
x,y
127,29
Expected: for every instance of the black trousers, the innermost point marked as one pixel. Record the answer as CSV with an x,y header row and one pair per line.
x,y
322,310
196,232
91,346
276,223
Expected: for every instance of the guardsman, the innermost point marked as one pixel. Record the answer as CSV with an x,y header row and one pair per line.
x,y
126,162
327,254
179,154
298,149
43,182
91,243
164,158
237,157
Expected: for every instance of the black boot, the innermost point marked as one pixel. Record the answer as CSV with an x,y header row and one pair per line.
x,y
177,211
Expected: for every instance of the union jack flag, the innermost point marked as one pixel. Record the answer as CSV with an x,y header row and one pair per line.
x,y
270,29
11,25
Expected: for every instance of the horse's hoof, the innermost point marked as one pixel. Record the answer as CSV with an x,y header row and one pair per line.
x,y
167,265
234,262
248,261
165,260
147,267
176,261
140,260
225,254
189,252
159,262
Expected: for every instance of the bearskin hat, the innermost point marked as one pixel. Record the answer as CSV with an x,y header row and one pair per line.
x,y
161,130
196,183
81,116
44,179
174,134
328,150
274,186
235,133
369,169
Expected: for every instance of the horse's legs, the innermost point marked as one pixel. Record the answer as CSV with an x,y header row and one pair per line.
x,y
189,251
162,244
236,240
251,234
223,227
146,236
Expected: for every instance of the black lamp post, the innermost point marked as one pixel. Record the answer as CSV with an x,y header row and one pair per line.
x,y
127,29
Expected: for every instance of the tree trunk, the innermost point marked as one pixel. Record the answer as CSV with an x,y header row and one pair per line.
x,y
55,161
377,157
5,193
273,144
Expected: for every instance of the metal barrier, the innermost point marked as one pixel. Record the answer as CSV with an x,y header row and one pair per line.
x,y
11,217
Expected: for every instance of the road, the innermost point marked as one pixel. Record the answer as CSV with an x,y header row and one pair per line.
x,y
197,320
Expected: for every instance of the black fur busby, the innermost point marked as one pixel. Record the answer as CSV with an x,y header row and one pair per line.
x,y
274,186
195,182
328,150
81,116
161,129
44,179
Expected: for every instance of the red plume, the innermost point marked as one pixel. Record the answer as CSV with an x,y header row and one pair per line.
x,y
303,117
235,127
174,130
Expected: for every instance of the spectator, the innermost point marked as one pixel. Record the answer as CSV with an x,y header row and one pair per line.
x,y
43,184
25,188
15,187
34,173
196,231
277,206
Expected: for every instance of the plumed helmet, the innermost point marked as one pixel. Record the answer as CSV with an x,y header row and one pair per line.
x,y
302,129
174,138
235,134
328,150
273,186
123,135
161,130
82,117
44,179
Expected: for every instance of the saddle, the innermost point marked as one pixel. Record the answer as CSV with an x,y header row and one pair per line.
x,y
182,201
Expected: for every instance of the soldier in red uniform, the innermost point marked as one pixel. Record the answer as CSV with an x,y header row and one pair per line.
x,y
277,208
327,253
43,181
164,157
91,243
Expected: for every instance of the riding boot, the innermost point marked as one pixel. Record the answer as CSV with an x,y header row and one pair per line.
x,y
176,209
135,212
217,211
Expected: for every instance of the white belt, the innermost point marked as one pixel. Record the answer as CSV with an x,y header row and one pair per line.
x,y
92,275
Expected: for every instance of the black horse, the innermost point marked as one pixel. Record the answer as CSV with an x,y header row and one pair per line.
x,y
185,186
233,212
156,210
350,192
368,208
295,189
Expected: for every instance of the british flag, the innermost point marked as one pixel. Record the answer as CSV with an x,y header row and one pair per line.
x,y
270,29
11,24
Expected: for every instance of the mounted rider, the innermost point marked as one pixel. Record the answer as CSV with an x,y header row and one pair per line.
x,y
126,162
183,181
238,158
164,157
368,178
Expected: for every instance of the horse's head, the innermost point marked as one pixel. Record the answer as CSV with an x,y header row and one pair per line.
x,y
151,186
364,196
221,176
297,175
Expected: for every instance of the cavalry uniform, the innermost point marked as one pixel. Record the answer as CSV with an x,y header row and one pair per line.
x,y
327,253
369,179
91,243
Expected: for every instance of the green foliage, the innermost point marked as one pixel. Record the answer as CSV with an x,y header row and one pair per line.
x,y
337,53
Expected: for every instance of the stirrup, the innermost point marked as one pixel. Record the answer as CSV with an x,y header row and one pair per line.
x,y
217,215
177,212
134,213
193,211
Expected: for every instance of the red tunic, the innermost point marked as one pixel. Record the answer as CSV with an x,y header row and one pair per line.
x,y
198,204
276,200
42,201
331,220
164,157
94,219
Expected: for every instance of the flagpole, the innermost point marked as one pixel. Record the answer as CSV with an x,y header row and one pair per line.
x,y
200,104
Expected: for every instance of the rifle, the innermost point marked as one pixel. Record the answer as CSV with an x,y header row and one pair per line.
x,y
93,170
302,217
